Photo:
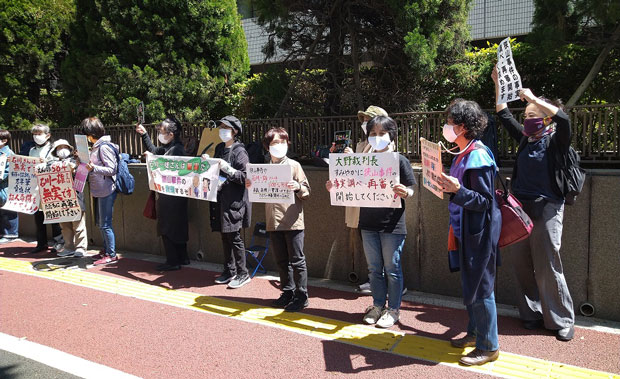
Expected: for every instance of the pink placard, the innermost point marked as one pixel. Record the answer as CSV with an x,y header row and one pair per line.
x,y
81,174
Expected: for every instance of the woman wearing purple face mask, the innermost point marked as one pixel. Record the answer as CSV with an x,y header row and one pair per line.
x,y
543,298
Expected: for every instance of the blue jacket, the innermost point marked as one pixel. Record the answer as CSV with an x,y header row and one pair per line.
x,y
479,223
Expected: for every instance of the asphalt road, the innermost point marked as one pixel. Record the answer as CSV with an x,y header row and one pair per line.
x,y
13,366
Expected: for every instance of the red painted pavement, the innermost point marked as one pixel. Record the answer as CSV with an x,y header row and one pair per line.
x,y
156,341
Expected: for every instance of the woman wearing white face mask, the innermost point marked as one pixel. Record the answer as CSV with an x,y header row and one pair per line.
x,y
42,148
172,218
73,232
232,211
383,233
285,224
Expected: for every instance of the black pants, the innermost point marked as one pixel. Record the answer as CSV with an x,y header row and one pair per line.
x,y
42,229
234,253
288,249
176,252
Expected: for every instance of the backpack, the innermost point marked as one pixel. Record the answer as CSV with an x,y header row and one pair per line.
x,y
125,182
570,177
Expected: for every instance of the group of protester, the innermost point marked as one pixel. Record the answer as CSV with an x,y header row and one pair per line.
x,y
474,227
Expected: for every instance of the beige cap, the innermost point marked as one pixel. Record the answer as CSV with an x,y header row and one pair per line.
x,y
371,112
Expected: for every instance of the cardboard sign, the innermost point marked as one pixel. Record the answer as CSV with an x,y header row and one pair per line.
x,y
508,79
81,145
59,201
431,166
81,174
191,177
364,180
209,139
23,189
269,183
2,165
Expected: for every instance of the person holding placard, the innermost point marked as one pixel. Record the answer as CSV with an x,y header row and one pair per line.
x,y
172,217
103,167
384,231
232,211
285,224
42,148
9,221
74,233
544,299
475,226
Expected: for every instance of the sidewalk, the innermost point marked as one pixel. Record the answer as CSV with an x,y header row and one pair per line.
x,y
129,317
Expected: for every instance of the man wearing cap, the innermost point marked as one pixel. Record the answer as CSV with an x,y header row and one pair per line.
x,y
232,211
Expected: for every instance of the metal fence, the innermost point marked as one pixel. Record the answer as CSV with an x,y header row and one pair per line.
x,y
596,130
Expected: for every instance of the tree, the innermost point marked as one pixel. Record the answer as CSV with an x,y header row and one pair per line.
x,y
387,48
588,23
179,56
32,42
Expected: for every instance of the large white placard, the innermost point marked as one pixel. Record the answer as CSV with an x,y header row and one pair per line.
x,y
191,177
364,180
59,201
23,190
269,183
431,166
508,79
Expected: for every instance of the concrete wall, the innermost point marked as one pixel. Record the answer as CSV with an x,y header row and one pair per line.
x,y
590,241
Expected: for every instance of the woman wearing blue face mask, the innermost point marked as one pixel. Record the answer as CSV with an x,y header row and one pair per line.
x,y
172,220
383,233
232,211
543,298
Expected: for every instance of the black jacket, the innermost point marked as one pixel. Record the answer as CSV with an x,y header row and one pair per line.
x,y
558,143
171,210
233,210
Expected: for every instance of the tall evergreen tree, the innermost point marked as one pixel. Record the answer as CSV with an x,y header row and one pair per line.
x,y
180,56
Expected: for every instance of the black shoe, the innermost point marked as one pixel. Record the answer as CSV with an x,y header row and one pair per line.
x,y
39,249
167,267
298,303
566,334
285,299
533,324
224,278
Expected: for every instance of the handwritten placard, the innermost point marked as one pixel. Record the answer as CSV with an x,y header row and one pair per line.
x,y
59,202
23,190
364,180
81,144
508,79
269,183
2,165
431,166
191,177
81,174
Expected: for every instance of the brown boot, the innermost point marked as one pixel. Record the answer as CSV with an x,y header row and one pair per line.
x,y
468,341
479,357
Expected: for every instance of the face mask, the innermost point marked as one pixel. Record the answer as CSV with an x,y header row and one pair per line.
x,y
63,153
379,142
40,139
163,139
449,134
364,127
225,135
532,126
278,150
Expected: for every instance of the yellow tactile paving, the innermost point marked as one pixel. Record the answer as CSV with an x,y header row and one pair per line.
x,y
434,350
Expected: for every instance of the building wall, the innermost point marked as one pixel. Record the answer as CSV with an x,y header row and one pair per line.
x,y
590,239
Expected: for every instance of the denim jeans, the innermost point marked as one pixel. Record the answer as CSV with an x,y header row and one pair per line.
x,y
9,224
483,323
105,208
383,252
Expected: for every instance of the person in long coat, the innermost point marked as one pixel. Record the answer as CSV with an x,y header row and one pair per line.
x,y
475,226
171,210
232,211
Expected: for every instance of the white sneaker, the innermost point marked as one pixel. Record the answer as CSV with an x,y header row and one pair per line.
x,y
59,246
65,252
79,252
388,318
373,313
